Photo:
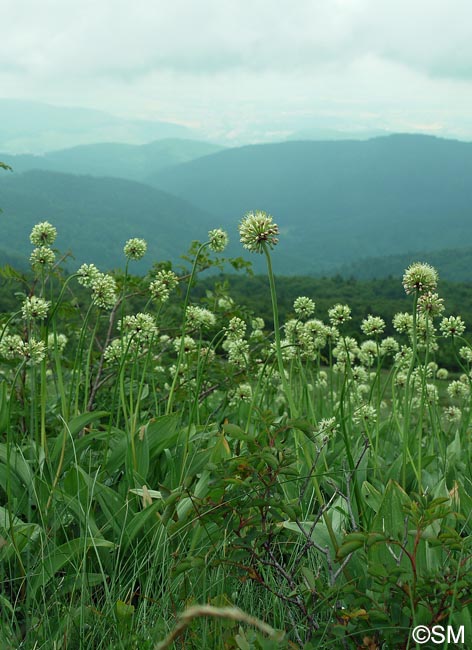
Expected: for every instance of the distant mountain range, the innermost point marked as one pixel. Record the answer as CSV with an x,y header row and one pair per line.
x,y
27,127
134,162
337,202
342,206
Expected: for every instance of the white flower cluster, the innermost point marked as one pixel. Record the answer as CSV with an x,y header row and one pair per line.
x,y
304,307
35,308
339,314
257,230
199,318
135,248
163,284
42,236
140,326
218,240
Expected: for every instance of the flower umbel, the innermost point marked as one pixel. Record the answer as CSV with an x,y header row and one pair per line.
x,y
452,326
135,248
35,308
218,239
257,229
43,234
420,277
42,258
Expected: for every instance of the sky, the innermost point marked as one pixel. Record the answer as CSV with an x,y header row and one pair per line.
x,y
248,69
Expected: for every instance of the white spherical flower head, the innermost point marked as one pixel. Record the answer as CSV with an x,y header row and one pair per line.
x,y
35,308
199,317
104,291
218,240
420,277
339,314
43,234
164,283
32,350
42,258
87,274
373,325
257,230
304,307
452,326
430,304
135,249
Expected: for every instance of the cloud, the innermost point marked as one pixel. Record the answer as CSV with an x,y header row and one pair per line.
x,y
224,61
119,37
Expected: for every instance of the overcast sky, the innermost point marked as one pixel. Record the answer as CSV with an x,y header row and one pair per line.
x,y
232,66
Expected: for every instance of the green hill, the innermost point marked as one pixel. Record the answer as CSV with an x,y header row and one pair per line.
x,y
337,202
95,216
133,162
453,264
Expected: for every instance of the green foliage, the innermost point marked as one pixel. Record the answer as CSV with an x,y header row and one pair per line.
x,y
173,472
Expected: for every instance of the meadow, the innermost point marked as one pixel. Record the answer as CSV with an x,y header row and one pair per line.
x,y
177,471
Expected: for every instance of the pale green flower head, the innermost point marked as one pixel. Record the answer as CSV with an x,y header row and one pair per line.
x,y
373,325
339,314
218,240
430,304
257,323
366,414
135,248
236,328
164,283
32,351
304,307
257,230
10,346
243,393
420,277
42,258
452,414
104,291
466,353
458,389
189,344
327,427
35,308
43,234
58,341
389,345
238,352
452,326
403,322
197,317
86,275
142,326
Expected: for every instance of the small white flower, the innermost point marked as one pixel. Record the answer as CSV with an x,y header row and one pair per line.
x,y
135,248
43,234
256,230
218,240
35,308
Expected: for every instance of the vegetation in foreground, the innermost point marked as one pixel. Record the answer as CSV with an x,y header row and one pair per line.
x,y
182,476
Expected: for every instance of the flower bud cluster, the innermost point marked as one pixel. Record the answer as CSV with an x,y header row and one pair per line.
x,y
35,308
199,318
218,240
257,230
135,248
163,284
